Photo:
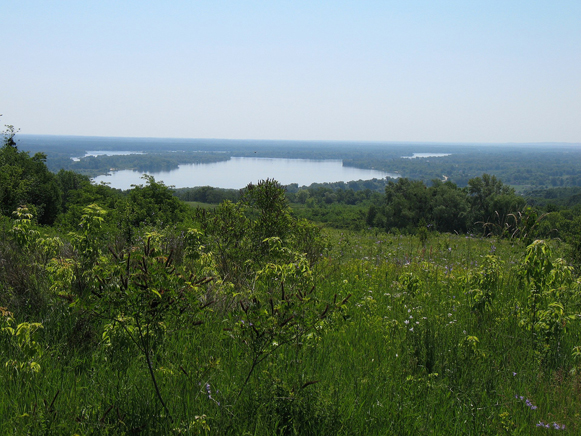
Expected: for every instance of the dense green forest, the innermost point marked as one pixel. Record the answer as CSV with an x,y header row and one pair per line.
x,y
398,307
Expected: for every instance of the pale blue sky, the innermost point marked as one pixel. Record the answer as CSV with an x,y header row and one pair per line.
x,y
438,71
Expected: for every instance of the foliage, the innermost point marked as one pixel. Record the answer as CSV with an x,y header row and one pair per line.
x,y
554,295
280,307
207,194
25,180
409,204
237,234
22,230
483,283
22,344
492,201
151,204
142,293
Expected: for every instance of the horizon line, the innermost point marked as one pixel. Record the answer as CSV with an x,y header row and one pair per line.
x,y
306,140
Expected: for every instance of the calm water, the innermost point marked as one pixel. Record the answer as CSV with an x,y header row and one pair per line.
x,y
238,172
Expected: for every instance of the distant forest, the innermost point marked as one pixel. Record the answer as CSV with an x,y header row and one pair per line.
x,y
522,166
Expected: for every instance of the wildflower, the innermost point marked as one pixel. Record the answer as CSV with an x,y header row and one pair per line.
x,y
412,329
406,321
514,374
528,402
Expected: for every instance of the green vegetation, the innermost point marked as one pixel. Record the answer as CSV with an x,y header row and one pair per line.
x,y
131,313
25,179
152,162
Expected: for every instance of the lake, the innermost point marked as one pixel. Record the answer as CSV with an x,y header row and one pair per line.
x,y
238,172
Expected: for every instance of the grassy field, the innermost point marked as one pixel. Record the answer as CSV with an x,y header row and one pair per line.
x,y
462,335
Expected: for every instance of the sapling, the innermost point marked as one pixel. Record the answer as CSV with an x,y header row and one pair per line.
x,y
552,290
142,292
281,307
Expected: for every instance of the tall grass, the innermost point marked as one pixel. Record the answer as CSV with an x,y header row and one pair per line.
x,y
412,352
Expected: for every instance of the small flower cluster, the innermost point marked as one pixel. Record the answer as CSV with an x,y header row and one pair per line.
x,y
531,406
527,402
209,392
553,425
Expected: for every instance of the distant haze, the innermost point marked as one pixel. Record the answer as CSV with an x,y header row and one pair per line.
x,y
439,71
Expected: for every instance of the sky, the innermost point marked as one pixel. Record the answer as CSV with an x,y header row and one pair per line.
x,y
364,70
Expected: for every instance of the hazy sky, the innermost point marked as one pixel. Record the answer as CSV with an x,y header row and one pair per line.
x,y
457,71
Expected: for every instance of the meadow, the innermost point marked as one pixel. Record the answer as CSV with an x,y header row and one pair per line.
x,y
203,330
